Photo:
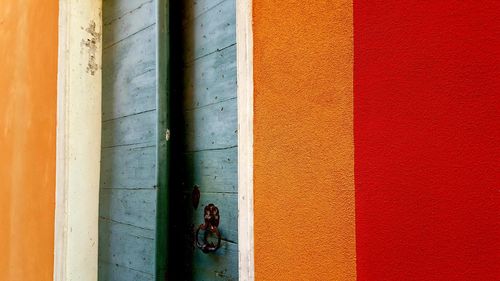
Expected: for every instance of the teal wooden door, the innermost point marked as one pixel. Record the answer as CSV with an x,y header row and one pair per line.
x,y
204,136
134,148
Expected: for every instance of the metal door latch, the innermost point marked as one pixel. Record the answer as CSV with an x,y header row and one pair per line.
x,y
210,226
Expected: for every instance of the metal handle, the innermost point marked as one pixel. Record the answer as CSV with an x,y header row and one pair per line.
x,y
210,226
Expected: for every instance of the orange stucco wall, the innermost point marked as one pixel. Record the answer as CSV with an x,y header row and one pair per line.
x,y
28,78
304,182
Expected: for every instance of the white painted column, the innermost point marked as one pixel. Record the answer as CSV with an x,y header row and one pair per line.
x,y
244,45
78,140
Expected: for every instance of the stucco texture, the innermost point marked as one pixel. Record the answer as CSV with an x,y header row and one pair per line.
x,y
304,166
426,84
28,81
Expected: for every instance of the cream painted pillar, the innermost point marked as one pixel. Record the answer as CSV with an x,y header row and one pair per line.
x,y
78,140
244,39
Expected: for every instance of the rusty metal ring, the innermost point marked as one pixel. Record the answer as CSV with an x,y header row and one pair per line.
x,y
211,217
206,246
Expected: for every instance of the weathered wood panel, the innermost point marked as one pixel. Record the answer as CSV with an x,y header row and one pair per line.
x,y
131,166
211,79
129,77
211,31
115,272
212,127
130,130
212,170
136,19
207,152
114,9
221,265
194,8
129,206
128,160
126,246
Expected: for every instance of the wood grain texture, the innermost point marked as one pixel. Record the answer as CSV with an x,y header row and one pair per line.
x,y
211,31
212,127
138,18
131,166
129,77
211,170
194,8
129,206
130,130
116,272
206,152
210,79
221,265
126,246
128,195
115,9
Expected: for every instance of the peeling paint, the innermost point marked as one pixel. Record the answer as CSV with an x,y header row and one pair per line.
x,y
91,45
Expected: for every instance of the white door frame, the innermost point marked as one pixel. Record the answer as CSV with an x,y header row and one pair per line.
x,y
244,46
79,140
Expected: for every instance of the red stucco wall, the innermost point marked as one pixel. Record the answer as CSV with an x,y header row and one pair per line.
x,y
426,111
28,78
